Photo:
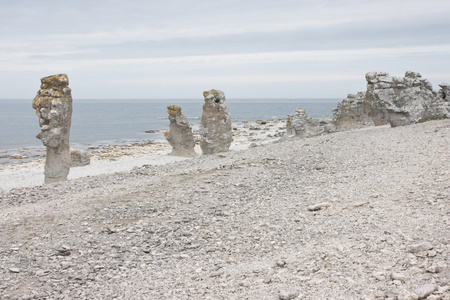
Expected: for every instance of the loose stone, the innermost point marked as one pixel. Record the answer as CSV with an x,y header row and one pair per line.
x,y
318,206
284,295
425,290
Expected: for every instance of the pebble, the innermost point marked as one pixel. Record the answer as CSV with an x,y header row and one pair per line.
x,y
379,276
416,248
406,295
398,276
318,206
284,295
425,290
281,263
14,270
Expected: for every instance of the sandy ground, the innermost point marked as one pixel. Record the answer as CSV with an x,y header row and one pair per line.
x,y
362,214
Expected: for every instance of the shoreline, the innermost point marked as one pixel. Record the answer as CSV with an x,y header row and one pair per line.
x,y
106,159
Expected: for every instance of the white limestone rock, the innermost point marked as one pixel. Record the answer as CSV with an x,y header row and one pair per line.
x,y
180,135
300,125
215,127
356,111
53,105
407,100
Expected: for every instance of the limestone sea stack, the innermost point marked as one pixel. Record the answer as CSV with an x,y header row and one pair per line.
x,y
53,105
180,135
215,127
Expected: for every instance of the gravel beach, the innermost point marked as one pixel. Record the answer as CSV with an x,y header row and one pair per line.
x,y
362,214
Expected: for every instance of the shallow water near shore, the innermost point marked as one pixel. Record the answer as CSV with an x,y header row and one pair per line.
x,y
116,122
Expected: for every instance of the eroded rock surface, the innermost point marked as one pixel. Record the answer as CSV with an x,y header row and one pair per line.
x,y
215,127
300,125
392,100
444,92
407,100
180,134
357,111
53,105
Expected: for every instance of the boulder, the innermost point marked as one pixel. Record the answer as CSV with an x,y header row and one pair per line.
x,y
53,105
300,125
180,134
79,158
215,127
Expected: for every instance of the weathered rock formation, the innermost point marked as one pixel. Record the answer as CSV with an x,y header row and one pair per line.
x,y
53,105
444,92
408,99
300,125
79,158
215,127
357,111
391,100
180,134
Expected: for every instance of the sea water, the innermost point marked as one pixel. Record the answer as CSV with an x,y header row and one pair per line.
x,y
100,122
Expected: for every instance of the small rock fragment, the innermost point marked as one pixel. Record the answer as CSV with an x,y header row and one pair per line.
x,y
425,290
110,230
319,206
281,264
64,251
406,295
378,275
359,204
398,276
267,280
41,273
416,248
435,268
14,270
288,295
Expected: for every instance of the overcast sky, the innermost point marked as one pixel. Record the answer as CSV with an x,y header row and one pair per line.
x,y
117,49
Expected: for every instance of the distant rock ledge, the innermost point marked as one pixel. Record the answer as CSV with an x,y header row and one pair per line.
x,y
389,100
392,100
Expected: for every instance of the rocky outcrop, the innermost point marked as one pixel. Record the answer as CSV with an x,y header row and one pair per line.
x,y
444,92
180,134
392,100
300,125
357,111
53,105
79,158
407,100
215,127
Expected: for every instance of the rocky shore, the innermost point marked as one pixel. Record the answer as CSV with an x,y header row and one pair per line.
x,y
25,171
360,214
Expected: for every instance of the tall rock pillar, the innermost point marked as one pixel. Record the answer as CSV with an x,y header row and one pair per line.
x,y
215,127
180,134
53,105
